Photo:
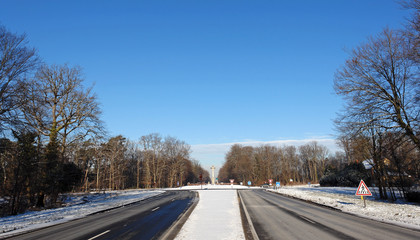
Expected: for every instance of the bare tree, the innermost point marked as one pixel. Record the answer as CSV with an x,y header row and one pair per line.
x,y
134,155
356,148
175,152
114,155
412,31
269,157
313,157
153,161
258,164
308,162
165,162
380,80
289,164
16,59
85,156
59,107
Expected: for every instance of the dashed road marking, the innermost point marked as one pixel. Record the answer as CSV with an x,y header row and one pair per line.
x,y
107,231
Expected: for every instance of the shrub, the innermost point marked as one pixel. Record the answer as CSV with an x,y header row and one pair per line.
x,y
413,196
348,177
329,180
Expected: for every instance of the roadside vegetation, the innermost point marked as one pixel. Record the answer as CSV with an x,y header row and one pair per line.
x,y
53,140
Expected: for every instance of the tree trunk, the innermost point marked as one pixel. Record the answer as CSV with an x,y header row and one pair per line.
x,y
40,201
138,175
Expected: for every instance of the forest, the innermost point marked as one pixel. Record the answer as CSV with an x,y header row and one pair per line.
x,y
287,164
53,140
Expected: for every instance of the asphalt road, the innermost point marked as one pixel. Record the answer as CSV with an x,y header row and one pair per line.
x,y
279,217
147,219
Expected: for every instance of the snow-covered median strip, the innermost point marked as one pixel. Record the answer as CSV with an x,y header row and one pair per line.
x,y
77,207
216,216
344,199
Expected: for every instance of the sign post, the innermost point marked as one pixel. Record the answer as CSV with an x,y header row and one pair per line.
x,y
201,180
363,190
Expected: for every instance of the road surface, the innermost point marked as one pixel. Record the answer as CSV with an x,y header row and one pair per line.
x,y
146,219
278,217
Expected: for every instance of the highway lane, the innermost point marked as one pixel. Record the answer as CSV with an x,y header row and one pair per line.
x,y
146,219
279,217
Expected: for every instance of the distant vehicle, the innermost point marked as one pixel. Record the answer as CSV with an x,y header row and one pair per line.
x,y
265,185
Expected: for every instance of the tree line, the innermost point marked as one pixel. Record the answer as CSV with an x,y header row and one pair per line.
x,y
53,140
285,164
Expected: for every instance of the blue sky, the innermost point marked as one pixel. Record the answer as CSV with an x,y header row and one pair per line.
x,y
207,72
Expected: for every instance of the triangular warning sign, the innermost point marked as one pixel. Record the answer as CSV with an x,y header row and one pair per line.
x,y
363,190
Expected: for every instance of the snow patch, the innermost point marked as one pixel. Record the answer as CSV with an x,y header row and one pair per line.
x,y
77,206
344,199
216,216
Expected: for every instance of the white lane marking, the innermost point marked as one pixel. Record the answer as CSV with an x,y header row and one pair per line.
x,y
154,209
107,231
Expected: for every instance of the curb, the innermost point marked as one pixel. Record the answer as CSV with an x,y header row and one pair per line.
x,y
173,230
248,218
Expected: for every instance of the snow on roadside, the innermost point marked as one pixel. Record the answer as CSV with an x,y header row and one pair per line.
x,y
344,199
78,206
209,186
216,216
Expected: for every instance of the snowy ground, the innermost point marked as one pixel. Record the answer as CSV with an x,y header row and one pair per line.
x,y
216,215
78,206
344,199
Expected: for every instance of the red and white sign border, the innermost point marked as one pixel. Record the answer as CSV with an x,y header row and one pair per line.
x,y
362,183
